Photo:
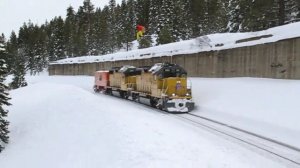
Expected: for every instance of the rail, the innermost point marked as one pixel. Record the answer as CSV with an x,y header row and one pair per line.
x,y
283,151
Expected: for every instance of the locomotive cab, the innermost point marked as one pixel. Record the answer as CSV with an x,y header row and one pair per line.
x,y
170,89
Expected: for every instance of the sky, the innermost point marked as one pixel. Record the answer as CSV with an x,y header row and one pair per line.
x,y
13,13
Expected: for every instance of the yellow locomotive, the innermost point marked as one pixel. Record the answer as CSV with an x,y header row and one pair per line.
x,y
164,85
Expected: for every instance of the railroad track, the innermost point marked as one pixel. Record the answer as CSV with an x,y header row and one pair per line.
x,y
286,153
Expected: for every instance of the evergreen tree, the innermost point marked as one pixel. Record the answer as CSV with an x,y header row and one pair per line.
x,y
258,16
145,42
292,11
112,26
57,40
11,49
235,16
154,11
215,20
182,20
24,50
101,31
127,20
40,51
69,32
88,9
3,96
166,23
3,46
19,75
84,22
165,36
17,64
142,11
32,47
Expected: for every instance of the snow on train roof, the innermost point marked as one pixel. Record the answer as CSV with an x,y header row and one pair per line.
x,y
219,41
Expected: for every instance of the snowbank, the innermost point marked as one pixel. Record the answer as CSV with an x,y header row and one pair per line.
x,y
269,107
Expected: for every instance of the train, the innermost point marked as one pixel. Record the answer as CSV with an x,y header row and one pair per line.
x,y
164,85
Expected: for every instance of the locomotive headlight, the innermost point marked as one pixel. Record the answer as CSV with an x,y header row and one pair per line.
x,y
187,94
173,94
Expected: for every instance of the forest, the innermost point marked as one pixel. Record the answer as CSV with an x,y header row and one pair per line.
x,y
91,30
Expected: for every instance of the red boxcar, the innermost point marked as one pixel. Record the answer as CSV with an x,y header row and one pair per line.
x,y
101,81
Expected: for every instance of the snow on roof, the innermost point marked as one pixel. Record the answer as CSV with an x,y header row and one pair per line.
x,y
126,67
156,67
219,41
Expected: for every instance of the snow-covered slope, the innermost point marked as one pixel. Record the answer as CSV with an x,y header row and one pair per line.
x,y
59,122
200,44
269,107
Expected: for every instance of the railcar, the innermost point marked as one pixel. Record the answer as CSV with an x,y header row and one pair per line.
x,y
165,85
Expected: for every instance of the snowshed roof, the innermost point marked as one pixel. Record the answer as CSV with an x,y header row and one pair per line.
x,y
219,41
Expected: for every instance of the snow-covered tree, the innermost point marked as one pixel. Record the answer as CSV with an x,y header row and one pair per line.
x,y
292,11
19,75
101,31
235,16
3,97
182,20
70,32
166,23
17,63
57,40
113,26
126,22
154,11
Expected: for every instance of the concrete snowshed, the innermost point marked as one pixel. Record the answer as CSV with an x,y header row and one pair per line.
x,y
279,59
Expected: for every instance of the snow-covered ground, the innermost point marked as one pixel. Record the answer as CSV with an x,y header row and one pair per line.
x,y
58,121
219,41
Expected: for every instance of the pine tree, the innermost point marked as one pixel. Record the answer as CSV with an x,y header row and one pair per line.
x,y
112,26
8,58
259,17
88,9
165,36
19,75
12,50
235,16
216,10
3,97
142,10
166,23
101,32
154,11
17,64
40,51
57,40
69,32
84,31
145,42
199,17
3,47
182,20
292,11
127,21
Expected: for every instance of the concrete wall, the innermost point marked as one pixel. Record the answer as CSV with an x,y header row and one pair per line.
x,y
273,60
